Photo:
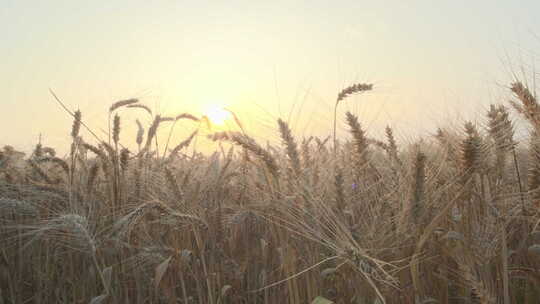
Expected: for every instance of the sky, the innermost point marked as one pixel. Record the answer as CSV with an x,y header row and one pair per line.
x,y
431,62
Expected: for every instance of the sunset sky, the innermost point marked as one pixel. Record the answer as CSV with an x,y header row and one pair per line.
x,y
429,61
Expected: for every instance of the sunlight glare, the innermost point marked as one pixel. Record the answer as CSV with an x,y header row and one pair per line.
x,y
218,115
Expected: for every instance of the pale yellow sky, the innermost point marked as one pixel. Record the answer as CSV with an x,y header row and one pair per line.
x,y
428,59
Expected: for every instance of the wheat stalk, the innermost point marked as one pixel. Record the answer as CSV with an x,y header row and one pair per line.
x,y
140,106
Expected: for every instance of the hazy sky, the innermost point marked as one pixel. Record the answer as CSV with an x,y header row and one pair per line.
x,y
261,59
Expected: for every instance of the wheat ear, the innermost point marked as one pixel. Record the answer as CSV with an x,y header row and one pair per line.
x,y
356,88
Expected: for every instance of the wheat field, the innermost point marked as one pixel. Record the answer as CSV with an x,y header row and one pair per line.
x,y
452,218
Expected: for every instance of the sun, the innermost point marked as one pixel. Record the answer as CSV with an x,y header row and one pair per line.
x,y
217,115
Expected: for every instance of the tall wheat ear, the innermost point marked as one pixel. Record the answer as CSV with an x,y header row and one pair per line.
x,y
122,103
501,131
471,158
355,88
291,147
360,143
251,145
418,188
529,106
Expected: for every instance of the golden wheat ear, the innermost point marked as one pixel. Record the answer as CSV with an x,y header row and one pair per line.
x,y
75,129
470,150
140,134
418,188
291,147
355,88
186,116
360,141
152,131
251,145
116,129
122,103
184,144
529,106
